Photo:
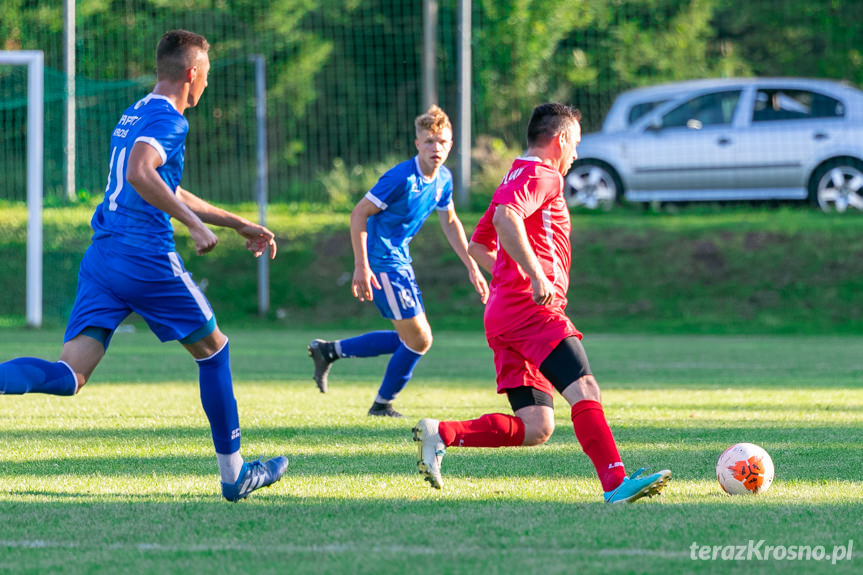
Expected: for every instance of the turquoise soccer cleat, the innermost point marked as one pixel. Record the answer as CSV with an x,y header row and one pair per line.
x,y
635,487
255,475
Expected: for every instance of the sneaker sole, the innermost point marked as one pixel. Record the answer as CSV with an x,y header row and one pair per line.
x,y
421,466
649,490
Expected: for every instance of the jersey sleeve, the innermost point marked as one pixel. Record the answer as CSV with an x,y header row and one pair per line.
x,y
387,190
484,233
445,202
166,133
528,195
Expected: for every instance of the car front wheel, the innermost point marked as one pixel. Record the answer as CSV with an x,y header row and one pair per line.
x,y
592,185
838,185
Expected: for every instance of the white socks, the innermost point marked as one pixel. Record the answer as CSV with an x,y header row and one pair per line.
x,y
230,466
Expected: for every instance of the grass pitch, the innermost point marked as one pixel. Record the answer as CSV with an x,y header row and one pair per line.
x,y
122,478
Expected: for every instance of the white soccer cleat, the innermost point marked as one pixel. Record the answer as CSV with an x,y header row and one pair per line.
x,y
430,451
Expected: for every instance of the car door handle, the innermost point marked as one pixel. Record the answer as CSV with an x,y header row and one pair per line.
x,y
820,136
723,141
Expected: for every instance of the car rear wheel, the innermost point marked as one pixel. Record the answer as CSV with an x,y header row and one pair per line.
x,y
838,185
592,185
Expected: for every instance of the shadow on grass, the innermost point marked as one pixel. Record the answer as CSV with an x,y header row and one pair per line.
x,y
808,454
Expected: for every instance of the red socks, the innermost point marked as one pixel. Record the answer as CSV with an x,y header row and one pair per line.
x,y
596,440
499,430
490,430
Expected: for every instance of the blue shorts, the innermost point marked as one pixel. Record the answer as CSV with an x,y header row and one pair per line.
x,y
400,296
116,280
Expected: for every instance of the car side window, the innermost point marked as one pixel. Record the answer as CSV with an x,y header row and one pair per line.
x,y
639,110
779,104
712,109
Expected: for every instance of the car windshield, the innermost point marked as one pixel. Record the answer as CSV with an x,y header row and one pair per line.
x,y
715,108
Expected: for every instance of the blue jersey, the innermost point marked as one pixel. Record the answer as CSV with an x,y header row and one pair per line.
x,y
123,215
406,198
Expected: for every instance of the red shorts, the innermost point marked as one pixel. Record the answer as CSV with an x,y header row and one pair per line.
x,y
519,353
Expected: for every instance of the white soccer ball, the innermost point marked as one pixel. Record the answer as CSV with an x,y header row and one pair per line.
x,y
744,468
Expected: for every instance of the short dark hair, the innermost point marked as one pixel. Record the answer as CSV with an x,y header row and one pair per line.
x,y
548,120
176,53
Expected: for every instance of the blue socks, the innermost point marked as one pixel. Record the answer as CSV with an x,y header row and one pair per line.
x,y
401,365
399,371
34,375
217,398
369,344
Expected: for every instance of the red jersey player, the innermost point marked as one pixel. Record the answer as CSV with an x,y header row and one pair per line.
x,y
523,240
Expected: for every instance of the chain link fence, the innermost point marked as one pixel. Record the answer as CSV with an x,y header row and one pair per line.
x,y
344,78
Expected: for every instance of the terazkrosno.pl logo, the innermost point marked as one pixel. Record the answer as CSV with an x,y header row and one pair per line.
x,y
760,551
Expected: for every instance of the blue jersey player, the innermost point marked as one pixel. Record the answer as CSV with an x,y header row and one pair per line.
x,y
382,226
131,265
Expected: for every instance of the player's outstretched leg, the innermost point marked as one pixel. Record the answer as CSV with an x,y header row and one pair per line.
x,y
323,354
430,451
255,475
635,487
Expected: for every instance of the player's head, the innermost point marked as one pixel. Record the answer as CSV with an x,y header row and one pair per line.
x,y
434,139
182,57
559,124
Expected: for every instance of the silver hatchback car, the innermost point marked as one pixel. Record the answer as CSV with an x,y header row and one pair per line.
x,y
726,139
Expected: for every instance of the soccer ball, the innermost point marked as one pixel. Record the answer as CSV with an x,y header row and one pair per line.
x,y
744,468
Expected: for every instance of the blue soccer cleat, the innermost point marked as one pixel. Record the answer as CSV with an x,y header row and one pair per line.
x,y
635,487
255,475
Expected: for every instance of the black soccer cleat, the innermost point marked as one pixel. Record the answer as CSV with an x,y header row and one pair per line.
x,y
323,354
383,410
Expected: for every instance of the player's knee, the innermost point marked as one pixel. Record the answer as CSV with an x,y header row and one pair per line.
x,y
420,342
589,388
537,433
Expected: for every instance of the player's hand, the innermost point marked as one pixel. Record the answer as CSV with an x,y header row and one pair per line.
x,y
258,239
479,283
204,239
543,290
361,285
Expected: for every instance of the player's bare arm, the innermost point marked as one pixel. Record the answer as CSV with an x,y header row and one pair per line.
x,y
482,255
364,278
258,238
454,232
142,175
513,238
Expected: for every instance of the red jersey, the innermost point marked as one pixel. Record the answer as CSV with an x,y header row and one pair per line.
x,y
534,191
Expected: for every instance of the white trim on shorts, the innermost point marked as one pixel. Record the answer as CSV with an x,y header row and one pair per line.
x,y
390,295
179,272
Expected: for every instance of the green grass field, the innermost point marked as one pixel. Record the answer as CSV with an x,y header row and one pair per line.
x,y
122,479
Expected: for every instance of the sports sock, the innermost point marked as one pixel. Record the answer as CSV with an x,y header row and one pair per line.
x,y
594,435
230,465
217,398
490,430
398,373
34,375
369,344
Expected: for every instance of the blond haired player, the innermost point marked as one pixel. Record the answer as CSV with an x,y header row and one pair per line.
x,y
382,225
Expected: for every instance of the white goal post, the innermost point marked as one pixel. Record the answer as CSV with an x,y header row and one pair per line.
x,y
35,62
